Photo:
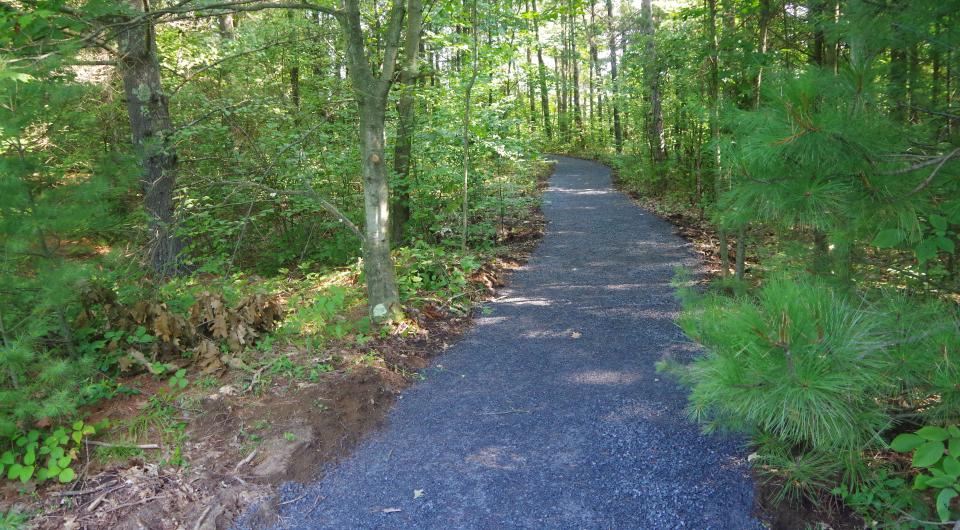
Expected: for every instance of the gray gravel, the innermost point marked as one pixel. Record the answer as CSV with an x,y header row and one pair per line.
x,y
549,414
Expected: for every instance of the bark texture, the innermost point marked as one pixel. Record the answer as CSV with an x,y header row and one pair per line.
x,y
151,129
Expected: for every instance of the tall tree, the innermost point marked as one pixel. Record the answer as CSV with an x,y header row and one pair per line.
x,y
612,37
541,72
371,85
651,68
406,116
152,130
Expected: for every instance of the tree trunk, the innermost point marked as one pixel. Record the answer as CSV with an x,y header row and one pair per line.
x,y
295,88
406,120
715,126
370,91
226,27
617,130
468,94
658,142
575,60
542,70
151,130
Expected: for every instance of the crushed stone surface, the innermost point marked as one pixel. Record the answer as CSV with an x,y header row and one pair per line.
x,y
549,413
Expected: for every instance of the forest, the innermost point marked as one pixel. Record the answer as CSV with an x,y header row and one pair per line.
x,y
195,193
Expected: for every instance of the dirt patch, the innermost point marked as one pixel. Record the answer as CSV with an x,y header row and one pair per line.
x,y
830,513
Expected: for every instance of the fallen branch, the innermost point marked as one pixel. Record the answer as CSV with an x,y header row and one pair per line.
x,y
135,503
124,446
245,461
76,493
203,516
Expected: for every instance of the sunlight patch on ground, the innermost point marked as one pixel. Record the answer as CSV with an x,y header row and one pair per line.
x,y
496,457
520,300
603,377
581,191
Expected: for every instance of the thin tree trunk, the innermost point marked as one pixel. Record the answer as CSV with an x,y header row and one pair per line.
x,y
575,60
658,142
468,93
151,129
617,130
406,120
542,70
715,125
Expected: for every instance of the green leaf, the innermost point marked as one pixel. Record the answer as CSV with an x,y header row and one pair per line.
x,y
934,434
7,458
951,465
77,436
943,503
29,458
954,431
67,475
938,222
43,474
926,250
888,238
945,243
954,447
14,471
33,436
906,442
928,454
88,430
26,473
77,425
940,482
63,462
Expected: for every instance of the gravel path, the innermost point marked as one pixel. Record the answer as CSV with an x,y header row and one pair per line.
x,y
549,414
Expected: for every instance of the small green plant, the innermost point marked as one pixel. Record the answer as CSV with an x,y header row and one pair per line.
x,y
320,368
290,437
31,459
885,496
13,520
936,456
179,379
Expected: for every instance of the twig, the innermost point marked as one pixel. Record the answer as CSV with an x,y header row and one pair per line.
x,y
96,502
203,516
926,182
124,446
87,491
308,192
511,411
135,503
256,375
291,501
246,460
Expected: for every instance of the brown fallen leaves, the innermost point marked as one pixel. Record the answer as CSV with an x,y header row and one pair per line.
x,y
213,330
